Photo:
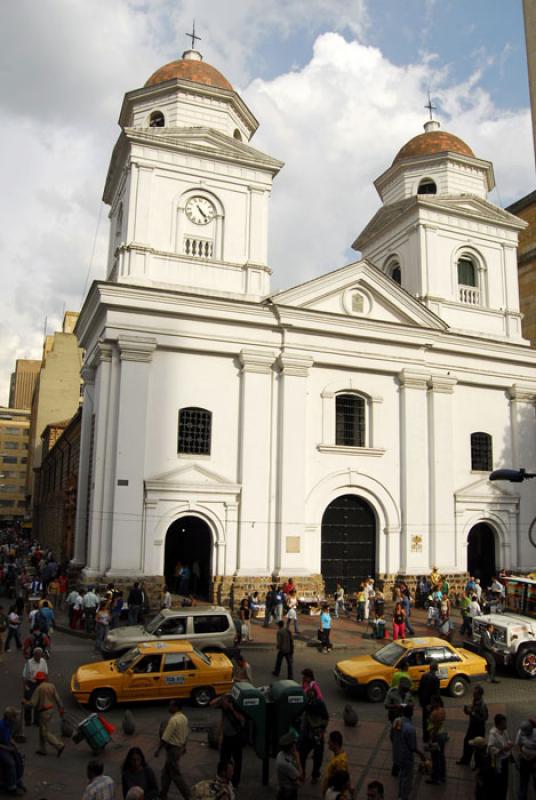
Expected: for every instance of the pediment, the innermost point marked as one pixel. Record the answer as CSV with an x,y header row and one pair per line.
x,y
473,206
484,489
189,475
360,291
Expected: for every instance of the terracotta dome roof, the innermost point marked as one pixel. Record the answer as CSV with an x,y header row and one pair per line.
x,y
427,144
190,70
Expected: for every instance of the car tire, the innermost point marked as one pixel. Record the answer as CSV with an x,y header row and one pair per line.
x,y
526,662
376,691
458,686
102,700
202,696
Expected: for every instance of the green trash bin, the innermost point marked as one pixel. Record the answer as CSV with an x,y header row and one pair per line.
x,y
94,732
287,705
251,702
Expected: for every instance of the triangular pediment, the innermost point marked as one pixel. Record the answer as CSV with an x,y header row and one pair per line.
x,y
189,475
473,206
360,291
483,489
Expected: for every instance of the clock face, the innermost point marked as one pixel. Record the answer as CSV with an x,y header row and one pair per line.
x,y
200,210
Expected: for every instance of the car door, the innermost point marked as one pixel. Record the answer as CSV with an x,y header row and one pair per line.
x,y
417,666
173,628
179,676
440,655
142,680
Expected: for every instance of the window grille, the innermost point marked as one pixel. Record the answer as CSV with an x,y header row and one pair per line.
x,y
349,420
481,452
195,429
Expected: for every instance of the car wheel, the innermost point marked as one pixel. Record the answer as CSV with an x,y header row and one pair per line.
x,y
526,662
202,696
376,691
102,699
457,687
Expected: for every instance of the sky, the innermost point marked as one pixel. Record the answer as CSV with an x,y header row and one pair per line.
x,y
337,85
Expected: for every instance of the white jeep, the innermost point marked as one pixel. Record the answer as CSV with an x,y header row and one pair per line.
x,y
514,634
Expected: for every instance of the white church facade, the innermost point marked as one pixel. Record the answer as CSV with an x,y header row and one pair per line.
x,y
344,427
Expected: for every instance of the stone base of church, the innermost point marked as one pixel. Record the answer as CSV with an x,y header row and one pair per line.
x,y
456,581
228,590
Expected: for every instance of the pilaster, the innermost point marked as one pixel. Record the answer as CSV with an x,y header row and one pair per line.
x,y
441,461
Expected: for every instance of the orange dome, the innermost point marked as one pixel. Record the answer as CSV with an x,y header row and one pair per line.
x,y
190,70
427,144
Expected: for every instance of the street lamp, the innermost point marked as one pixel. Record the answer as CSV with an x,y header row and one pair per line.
x,y
512,475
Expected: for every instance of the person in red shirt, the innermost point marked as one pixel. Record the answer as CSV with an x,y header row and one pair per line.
x,y
289,587
62,593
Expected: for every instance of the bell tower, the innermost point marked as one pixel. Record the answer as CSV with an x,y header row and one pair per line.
x,y
188,195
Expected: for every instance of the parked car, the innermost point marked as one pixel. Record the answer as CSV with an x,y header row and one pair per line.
x,y
209,628
153,671
374,673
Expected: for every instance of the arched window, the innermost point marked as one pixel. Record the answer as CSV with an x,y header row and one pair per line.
x,y
195,431
427,186
156,120
467,274
396,274
481,452
237,135
349,420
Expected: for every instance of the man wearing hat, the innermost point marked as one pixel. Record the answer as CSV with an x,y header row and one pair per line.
x,y
43,700
288,768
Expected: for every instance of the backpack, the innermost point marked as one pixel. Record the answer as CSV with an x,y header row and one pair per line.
x,y
42,622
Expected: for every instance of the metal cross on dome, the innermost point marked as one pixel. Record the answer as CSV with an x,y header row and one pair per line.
x,y
429,105
193,36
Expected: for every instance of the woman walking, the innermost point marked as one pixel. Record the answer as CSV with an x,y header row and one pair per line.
x,y
325,629
244,614
399,622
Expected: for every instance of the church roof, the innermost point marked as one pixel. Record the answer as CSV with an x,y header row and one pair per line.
x,y
189,69
431,142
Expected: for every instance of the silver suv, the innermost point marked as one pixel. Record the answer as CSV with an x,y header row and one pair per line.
x,y
209,628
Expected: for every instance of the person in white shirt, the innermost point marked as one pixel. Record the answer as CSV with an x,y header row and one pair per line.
x,y
90,603
166,598
32,666
474,609
478,590
500,749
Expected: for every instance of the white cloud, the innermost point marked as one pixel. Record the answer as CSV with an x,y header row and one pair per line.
x,y
337,121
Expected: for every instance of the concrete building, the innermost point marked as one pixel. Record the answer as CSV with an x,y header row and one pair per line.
x,y
14,436
336,429
22,383
57,392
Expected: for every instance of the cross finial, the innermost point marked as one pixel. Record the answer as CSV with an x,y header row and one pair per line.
x,y
193,36
430,106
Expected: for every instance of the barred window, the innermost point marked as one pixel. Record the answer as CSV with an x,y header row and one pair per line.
x,y
349,420
195,429
481,452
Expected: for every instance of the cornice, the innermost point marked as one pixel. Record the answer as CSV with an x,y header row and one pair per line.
x,y
257,361
442,384
136,348
413,379
375,452
295,364
522,394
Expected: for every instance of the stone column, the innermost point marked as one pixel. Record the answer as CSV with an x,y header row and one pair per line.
x,y
84,472
255,462
291,461
414,555
522,410
127,545
441,437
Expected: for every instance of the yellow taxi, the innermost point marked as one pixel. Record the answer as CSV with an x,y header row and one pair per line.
x,y
373,673
153,671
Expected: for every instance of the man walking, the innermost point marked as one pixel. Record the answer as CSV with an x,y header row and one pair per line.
x,y
135,603
90,603
478,715
487,651
233,734
32,666
174,739
405,745
428,688
100,787
44,698
285,650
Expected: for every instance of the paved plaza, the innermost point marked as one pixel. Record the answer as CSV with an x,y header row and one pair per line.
x,y
367,745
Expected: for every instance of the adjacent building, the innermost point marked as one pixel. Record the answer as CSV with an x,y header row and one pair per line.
x,y
22,383
340,428
14,434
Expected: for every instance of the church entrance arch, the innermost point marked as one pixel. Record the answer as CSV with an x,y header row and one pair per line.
x,y
348,549
481,553
189,545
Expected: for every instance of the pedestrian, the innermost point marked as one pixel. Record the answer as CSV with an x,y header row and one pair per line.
x,y
313,726
478,715
437,738
405,746
269,606
244,616
466,626
32,666
136,772
11,761
360,599
487,650
13,629
242,670
500,748
369,596
63,585
526,748
339,787
77,610
102,623
289,770
165,600
45,618
292,612
174,739
254,605
90,604
396,699
428,688
338,761
399,622
278,603
100,787
401,672
234,734
43,700
325,629
135,603
285,650
406,605
70,600
339,600
116,609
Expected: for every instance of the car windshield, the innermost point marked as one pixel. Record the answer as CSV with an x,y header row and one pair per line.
x,y
389,654
127,659
521,597
202,656
155,623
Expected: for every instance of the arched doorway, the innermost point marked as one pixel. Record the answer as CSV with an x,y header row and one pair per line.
x,y
481,553
348,550
189,541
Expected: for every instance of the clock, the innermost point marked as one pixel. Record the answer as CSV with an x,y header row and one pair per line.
x,y
200,210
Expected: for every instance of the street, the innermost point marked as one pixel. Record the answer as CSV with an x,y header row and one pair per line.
x,y
367,745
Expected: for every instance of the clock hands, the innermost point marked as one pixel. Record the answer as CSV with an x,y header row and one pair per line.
x,y
201,211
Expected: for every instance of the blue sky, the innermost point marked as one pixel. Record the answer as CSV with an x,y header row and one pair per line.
x,y
337,85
